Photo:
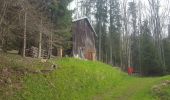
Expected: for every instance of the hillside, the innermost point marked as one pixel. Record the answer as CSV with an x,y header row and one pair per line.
x,y
73,79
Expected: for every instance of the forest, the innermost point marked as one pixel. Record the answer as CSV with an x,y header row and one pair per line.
x,y
128,58
131,33
45,24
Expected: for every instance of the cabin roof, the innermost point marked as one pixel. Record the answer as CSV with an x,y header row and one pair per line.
x,y
85,18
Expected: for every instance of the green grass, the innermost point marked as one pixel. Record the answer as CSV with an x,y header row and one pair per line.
x,y
11,81
85,80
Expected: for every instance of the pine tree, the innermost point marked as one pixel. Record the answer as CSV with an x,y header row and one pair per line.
x,y
166,47
101,19
149,61
134,36
114,32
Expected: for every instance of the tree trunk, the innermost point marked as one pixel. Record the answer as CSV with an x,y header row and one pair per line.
x,y
40,41
4,11
100,43
25,35
50,46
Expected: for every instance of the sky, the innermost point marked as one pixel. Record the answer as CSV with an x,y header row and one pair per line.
x,y
72,5
163,3
164,7
164,10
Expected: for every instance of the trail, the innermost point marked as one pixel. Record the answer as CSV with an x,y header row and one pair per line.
x,y
129,90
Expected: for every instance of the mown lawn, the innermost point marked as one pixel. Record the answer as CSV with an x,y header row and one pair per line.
x,y
85,80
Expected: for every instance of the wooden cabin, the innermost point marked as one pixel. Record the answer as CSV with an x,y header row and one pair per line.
x,y
84,37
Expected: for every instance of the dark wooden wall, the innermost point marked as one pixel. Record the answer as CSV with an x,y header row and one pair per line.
x,y
83,40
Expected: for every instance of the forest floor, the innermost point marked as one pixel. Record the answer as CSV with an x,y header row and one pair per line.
x,y
73,79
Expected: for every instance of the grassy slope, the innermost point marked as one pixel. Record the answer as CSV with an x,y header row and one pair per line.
x,y
86,80
12,72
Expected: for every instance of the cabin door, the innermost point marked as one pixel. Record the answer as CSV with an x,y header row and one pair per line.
x,y
90,56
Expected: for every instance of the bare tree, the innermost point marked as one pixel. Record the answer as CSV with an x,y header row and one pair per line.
x,y
157,29
25,34
40,40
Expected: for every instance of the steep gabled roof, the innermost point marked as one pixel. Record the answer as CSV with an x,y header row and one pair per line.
x,y
85,18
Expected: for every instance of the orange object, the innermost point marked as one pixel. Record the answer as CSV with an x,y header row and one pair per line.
x,y
130,70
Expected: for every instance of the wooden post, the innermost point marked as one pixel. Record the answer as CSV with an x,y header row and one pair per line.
x,y
60,52
94,56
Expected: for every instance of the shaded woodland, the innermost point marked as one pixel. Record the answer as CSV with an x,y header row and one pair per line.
x,y
45,24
